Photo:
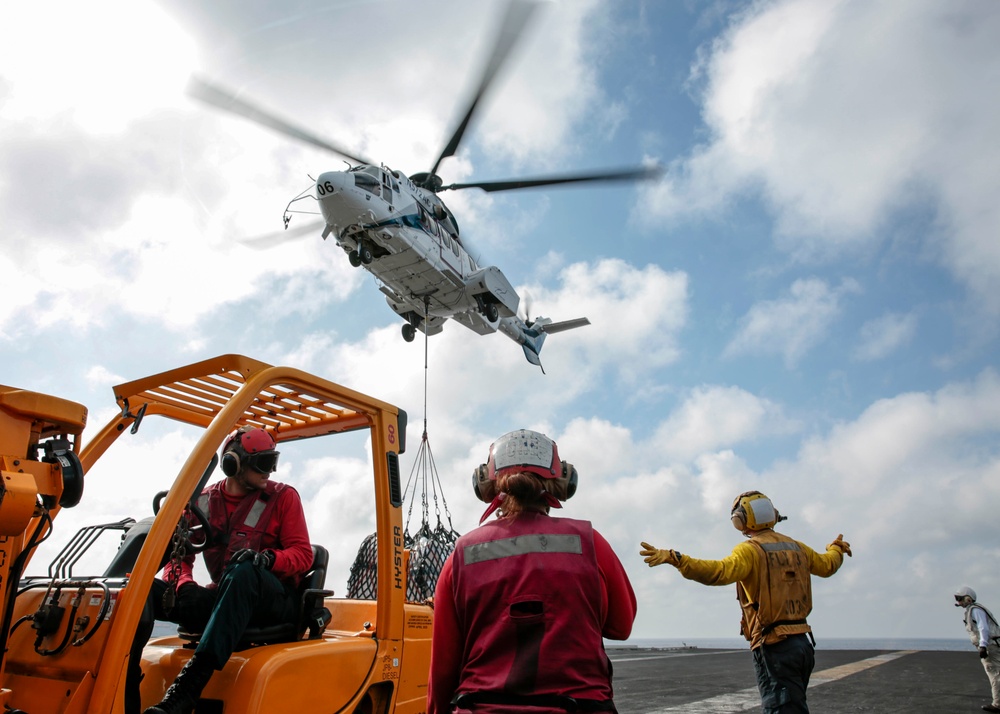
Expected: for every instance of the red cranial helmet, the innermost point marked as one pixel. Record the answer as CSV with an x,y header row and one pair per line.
x,y
249,447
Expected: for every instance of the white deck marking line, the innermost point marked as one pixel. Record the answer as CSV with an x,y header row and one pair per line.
x,y
749,699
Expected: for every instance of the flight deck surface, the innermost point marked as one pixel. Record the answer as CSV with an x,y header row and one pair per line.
x,y
707,681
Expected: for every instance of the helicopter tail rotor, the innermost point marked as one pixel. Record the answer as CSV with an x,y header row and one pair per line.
x,y
534,335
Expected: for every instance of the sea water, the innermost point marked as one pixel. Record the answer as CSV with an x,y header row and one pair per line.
x,y
822,643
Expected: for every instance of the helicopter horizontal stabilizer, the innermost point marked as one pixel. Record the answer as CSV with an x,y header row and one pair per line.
x,y
564,325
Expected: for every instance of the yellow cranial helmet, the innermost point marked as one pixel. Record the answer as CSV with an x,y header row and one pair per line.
x,y
753,511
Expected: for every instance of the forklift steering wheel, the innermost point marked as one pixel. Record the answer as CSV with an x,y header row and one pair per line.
x,y
198,533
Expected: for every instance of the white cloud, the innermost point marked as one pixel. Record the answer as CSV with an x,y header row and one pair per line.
x,y
841,114
883,335
100,376
791,325
910,482
721,477
79,68
643,309
713,416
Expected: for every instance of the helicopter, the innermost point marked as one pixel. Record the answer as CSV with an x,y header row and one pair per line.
x,y
397,227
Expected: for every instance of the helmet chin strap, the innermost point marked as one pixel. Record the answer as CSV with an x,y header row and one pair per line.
x,y
550,501
494,505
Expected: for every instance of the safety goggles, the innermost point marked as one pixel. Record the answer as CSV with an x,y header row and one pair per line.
x,y
265,462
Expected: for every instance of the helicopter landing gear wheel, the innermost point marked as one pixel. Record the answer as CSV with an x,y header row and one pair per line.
x,y
491,312
409,332
354,258
365,254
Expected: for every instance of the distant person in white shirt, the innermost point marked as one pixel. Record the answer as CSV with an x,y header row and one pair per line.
x,y
985,634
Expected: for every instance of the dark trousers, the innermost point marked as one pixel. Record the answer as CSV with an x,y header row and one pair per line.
x,y
246,595
783,671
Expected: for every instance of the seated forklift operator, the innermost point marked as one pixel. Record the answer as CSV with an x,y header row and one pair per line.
x,y
258,551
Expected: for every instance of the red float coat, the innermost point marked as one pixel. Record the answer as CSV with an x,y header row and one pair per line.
x,y
521,607
271,519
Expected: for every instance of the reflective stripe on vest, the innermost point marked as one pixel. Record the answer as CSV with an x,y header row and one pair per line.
x,y
521,545
255,513
774,547
253,516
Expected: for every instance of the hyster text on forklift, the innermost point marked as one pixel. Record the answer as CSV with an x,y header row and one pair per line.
x,y
66,636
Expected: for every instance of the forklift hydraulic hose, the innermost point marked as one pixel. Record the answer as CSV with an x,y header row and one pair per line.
x,y
16,569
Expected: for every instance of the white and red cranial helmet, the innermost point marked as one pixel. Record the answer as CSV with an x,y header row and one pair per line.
x,y
524,450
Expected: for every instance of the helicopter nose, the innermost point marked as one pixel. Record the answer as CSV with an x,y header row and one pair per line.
x,y
331,182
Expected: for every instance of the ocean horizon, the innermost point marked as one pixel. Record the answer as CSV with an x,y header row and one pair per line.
x,y
167,629
822,643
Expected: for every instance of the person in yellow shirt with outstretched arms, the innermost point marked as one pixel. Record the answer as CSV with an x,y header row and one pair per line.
x,y
772,575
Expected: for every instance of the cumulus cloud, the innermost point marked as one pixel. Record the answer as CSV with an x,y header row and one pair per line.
x,y
485,379
792,325
712,417
910,482
837,131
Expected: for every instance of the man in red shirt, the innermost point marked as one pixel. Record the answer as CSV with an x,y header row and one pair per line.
x,y
258,550
523,602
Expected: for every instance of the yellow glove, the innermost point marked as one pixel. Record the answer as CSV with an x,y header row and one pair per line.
x,y
654,556
843,545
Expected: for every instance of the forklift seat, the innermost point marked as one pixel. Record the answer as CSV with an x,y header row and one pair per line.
x,y
313,617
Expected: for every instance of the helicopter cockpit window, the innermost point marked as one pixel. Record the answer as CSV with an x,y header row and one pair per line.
x,y
363,179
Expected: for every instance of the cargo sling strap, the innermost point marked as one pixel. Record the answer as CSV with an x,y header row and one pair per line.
x,y
468,699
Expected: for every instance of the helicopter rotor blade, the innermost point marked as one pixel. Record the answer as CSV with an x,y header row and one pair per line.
x,y
515,20
269,240
635,174
227,101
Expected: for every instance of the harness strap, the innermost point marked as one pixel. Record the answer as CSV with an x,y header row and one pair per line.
x,y
468,699
778,623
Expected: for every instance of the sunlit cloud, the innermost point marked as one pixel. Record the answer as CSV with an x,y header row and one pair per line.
x,y
104,63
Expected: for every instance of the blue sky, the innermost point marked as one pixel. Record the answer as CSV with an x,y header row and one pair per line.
x,y
805,302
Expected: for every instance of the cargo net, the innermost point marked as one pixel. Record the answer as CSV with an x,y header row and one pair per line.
x,y
429,547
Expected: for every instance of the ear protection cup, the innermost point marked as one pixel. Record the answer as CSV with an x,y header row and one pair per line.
x,y
230,463
739,519
564,486
484,488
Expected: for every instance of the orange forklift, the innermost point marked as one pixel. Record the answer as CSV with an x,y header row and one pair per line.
x,y
66,636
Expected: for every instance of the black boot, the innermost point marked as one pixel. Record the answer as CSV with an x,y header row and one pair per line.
x,y
184,692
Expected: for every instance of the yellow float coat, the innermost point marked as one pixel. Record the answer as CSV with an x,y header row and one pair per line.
x,y
772,575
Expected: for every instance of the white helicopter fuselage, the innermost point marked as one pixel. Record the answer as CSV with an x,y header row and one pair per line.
x,y
408,239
